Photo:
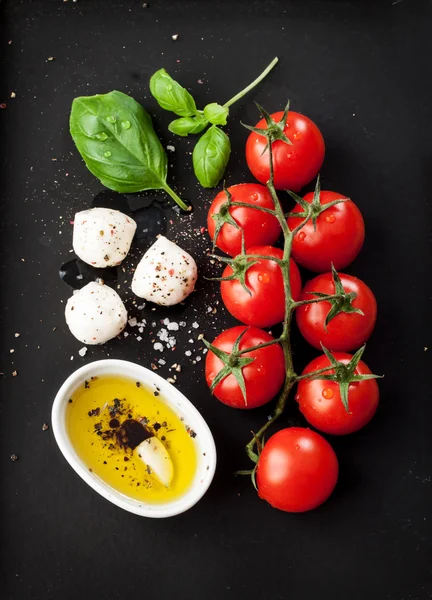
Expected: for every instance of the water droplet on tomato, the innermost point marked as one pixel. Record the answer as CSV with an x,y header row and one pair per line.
x,y
102,136
297,397
327,393
297,135
126,124
211,376
297,447
263,277
254,196
289,154
107,154
330,218
111,119
301,236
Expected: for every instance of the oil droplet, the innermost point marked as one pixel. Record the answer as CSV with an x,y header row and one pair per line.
x,y
111,119
330,218
327,393
254,196
107,154
211,376
126,124
301,236
297,135
102,136
263,277
297,447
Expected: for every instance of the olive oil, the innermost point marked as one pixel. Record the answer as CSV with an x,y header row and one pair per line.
x,y
95,415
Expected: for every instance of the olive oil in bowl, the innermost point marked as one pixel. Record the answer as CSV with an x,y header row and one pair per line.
x,y
107,419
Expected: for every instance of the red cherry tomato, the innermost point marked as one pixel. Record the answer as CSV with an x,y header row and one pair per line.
x,y
321,404
263,377
294,165
337,239
265,305
297,470
260,228
346,331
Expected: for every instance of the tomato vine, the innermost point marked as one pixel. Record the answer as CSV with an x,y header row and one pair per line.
x,y
340,301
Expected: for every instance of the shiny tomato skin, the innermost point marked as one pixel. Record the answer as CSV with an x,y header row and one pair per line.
x,y
260,228
338,237
346,331
265,306
321,404
297,470
294,165
263,377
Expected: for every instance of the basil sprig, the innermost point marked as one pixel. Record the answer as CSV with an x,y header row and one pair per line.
x,y
116,139
212,152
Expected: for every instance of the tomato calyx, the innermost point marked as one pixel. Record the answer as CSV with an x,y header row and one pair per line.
x,y
223,216
342,302
233,364
343,374
275,130
312,210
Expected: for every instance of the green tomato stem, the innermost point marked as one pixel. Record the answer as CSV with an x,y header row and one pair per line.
x,y
176,197
253,84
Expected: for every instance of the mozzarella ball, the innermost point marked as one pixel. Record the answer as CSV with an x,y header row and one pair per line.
x,y
95,314
166,274
102,237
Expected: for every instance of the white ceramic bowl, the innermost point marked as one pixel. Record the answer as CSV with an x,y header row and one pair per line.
x,y
205,446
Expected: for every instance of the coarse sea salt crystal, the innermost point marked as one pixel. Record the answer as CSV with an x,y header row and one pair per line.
x,y
83,351
161,361
158,346
133,322
195,325
139,338
173,326
166,321
182,323
188,353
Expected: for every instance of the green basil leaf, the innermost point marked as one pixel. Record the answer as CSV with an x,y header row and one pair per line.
x,y
116,139
210,156
186,125
170,95
216,114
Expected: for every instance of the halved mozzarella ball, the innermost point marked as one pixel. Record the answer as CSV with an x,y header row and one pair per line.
x,y
166,274
157,460
95,314
102,237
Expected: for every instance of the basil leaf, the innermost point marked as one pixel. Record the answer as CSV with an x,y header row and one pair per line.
x,y
170,95
187,125
210,156
216,114
116,139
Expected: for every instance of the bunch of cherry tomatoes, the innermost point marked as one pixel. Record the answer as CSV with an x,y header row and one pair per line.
x,y
297,468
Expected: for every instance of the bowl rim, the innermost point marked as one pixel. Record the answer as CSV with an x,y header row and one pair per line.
x,y
177,401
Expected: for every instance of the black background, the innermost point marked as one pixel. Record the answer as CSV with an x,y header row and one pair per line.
x,y
361,71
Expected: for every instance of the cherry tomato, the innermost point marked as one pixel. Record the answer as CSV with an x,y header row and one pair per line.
x,y
321,404
263,377
337,239
265,305
294,165
260,228
346,331
297,470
